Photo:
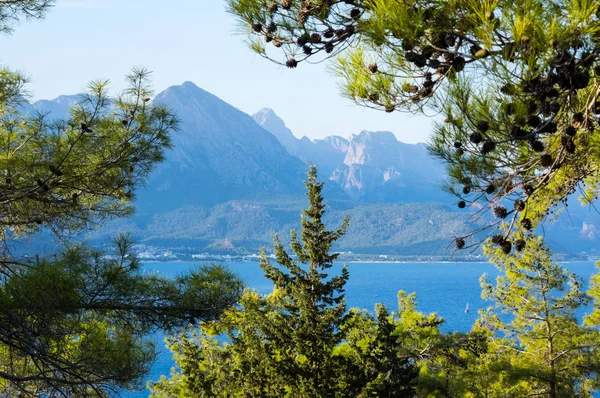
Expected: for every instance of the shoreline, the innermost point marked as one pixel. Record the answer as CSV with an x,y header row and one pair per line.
x,y
238,261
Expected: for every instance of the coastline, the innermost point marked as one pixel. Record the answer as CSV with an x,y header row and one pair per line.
x,y
353,261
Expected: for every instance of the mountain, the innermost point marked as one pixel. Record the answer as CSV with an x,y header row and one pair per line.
x,y
227,184
244,227
219,154
378,168
371,167
59,107
327,153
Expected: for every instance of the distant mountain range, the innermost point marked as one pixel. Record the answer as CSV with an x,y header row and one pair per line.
x,y
371,167
231,180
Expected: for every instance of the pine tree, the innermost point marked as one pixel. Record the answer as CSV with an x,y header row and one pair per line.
x,y
75,322
517,83
299,341
316,306
538,346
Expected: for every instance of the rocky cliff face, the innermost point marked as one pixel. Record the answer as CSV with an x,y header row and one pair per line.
x,y
369,166
379,168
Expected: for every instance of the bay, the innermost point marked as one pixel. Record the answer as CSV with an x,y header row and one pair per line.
x,y
443,288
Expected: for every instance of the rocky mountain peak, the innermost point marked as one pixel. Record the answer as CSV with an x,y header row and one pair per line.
x,y
374,136
59,107
220,153
268,119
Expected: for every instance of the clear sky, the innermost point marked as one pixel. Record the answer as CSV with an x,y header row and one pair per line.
x,y
179,40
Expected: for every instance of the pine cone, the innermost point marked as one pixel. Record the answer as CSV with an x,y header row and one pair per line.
x,y
527,224
500,211
519,205
534,121
476,138
488,147
546,160
537,145
520,245
291,63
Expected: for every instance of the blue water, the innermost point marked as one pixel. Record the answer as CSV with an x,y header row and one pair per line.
x,y
444,288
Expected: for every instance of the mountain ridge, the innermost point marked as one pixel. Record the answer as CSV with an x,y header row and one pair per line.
x,y
371,166
228,184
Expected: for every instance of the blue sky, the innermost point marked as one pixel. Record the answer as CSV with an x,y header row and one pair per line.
x,y
179,40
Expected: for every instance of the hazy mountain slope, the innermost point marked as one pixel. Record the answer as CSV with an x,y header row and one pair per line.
x,y
228,184
245,226
327,153
59,107
267,119
219,154
370,166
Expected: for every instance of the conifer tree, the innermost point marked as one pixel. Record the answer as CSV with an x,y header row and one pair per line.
x,y
538,345
75,322
517,83
299,341
315,306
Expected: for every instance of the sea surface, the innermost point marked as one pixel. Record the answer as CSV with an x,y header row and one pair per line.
x,y
443,288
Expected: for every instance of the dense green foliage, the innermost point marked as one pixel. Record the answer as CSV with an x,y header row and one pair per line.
x,y
537,346
74,323
542,348
299,341
516,81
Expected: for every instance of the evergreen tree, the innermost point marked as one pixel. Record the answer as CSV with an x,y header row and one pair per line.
x,y
538,346
299,341
74,323
517,82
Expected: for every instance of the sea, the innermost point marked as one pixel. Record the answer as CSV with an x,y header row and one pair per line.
x,y
448,289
